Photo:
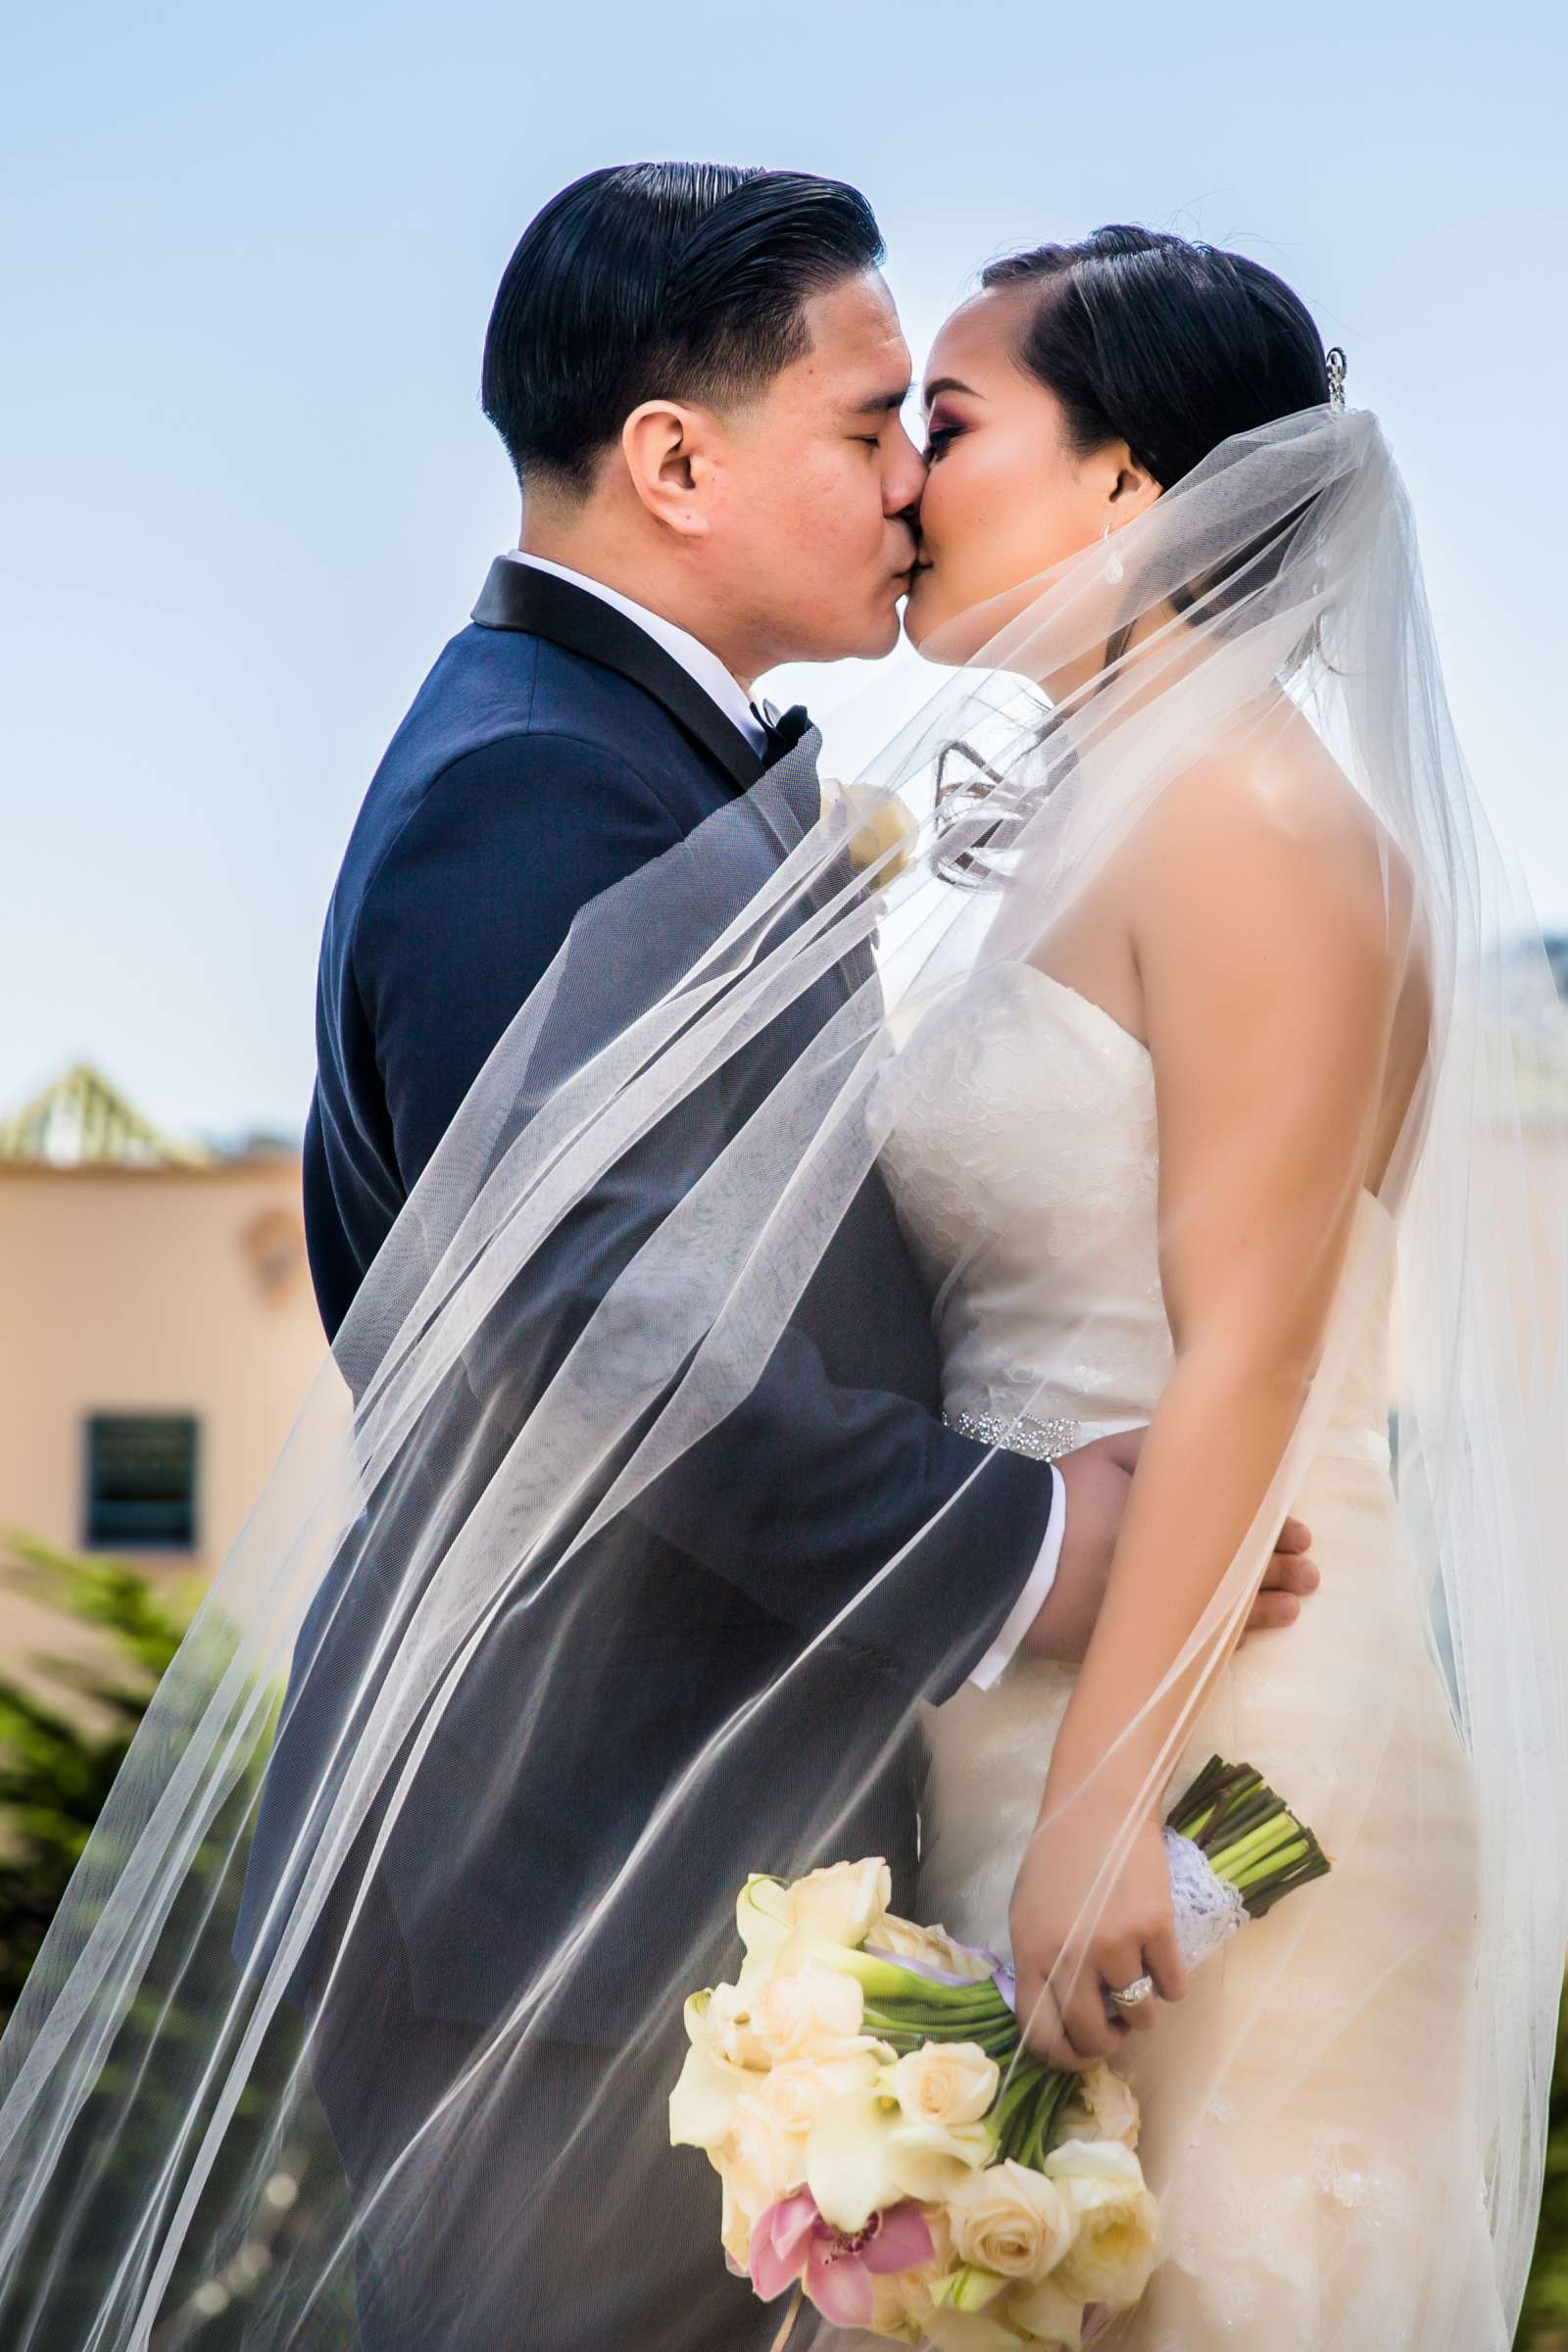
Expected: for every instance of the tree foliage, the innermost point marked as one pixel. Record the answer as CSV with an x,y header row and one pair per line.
x,y
64,1730
59,1757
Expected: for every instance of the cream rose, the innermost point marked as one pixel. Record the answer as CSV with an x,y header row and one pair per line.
x,y
795,2094
933,1946
1116,2221
811,2015
1101,2108
727,2027
945,2082
1009,2220
763,2160
769,2123
844,1904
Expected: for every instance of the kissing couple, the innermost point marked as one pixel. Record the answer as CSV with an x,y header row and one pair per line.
x,y
850,1304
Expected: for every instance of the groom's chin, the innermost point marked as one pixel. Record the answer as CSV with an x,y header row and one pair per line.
x,y
877,639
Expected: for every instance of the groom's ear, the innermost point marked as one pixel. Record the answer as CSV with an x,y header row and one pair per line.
x,y
669,453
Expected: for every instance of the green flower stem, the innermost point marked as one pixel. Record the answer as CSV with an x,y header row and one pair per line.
x,y
1249,1834
924,2005
883,2017
1051,2095
1064,2092
995,2041
1010,2118
1019,2113
1240,1852
1283,1858
947,2021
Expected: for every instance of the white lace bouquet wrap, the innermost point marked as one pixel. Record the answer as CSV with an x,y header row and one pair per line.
x,y
885,2143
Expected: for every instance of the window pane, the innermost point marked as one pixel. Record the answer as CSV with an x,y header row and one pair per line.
x,y
141,1482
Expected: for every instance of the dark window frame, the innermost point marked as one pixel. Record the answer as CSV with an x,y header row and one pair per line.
x,y
141,1482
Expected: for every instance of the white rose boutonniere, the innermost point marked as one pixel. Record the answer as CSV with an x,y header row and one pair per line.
x,y
881,828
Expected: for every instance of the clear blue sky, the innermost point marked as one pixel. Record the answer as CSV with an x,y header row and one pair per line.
x,y
247,492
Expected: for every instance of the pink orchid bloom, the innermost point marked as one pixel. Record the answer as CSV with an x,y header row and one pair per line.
x,y
791,2241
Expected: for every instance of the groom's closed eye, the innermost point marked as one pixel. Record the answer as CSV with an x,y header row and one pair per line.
x,y
888,401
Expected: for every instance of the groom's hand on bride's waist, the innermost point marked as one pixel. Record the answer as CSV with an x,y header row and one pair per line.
x,y
1096,1479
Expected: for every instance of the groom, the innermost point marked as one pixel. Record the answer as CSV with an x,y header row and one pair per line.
x,y
698,374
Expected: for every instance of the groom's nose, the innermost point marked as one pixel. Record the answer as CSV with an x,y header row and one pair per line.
x,y
903,479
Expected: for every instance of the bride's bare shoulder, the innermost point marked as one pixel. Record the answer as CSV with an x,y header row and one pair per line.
x,y
1268,825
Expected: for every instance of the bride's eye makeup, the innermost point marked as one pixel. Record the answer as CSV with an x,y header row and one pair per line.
x,y
941,426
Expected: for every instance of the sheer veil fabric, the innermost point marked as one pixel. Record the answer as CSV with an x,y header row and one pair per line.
x,y
451,1574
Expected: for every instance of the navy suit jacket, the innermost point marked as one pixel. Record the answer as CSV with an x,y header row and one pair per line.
x,y
555,750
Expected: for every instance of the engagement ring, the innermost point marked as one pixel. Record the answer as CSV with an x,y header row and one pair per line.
x,y
1141,1989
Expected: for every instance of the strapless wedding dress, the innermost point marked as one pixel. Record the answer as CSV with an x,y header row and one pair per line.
x,y
1306,2109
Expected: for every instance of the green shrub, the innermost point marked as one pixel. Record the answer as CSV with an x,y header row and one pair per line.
x,y
58,1755
58,1761
1543,2327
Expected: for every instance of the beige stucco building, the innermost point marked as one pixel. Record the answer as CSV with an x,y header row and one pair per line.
x,y
158,1334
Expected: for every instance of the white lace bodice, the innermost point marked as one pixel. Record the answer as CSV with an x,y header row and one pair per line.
x,y
1022,1154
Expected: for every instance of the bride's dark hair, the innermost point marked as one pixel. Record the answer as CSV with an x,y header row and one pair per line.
x,y
1170,346
1173,347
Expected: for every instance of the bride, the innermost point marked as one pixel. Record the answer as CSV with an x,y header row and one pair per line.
x,y
1137,1164
1162,971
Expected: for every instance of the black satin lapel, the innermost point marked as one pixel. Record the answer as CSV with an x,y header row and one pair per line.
x,y
518,597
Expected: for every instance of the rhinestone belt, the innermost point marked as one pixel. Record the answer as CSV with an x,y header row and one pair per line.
x,y
1041,1441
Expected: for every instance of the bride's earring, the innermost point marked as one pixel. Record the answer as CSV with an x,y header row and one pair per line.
x,y
1114,569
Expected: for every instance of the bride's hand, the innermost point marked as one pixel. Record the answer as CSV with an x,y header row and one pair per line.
x,y
1064,1976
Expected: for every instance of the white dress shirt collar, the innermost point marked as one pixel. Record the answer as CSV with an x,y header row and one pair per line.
x,y
704,668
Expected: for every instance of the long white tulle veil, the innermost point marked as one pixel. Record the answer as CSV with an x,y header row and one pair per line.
x,y
493,1436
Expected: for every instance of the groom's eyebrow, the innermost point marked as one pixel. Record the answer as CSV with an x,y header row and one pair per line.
x,y
881,404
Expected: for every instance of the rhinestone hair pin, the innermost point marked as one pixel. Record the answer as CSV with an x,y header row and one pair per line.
x,y
1339,368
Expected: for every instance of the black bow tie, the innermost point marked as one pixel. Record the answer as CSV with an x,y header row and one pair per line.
x,y
783,730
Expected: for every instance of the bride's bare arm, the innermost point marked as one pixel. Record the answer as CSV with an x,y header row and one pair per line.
x,y
1270,965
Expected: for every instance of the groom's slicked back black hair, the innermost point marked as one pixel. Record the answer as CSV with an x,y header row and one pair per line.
x,y
647,280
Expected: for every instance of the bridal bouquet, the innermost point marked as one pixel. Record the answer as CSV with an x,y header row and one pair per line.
x,y
885,2143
